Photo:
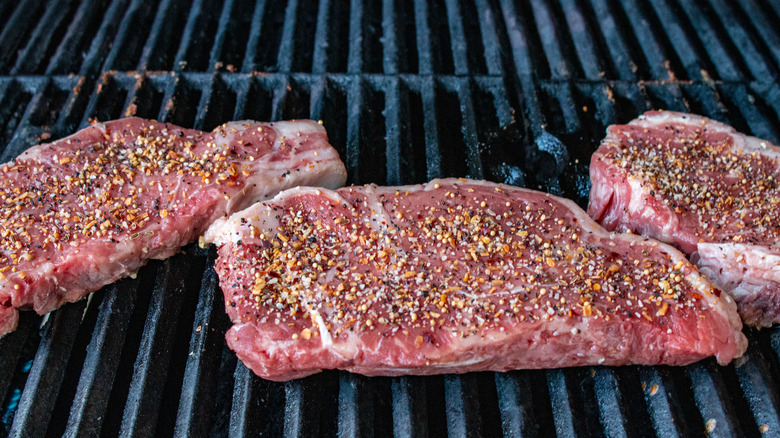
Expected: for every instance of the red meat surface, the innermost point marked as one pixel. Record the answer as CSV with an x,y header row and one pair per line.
x,y
703,187
456,276
89,209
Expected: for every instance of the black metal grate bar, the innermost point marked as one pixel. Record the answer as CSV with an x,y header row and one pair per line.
x,y
612,413
611,21
595,40
224,24
728,67
459,50
102,40
761,17
354,115
745,47
430,129
515,404
518,92
682,43
393,131
708,386
582,36
47,372
179,61
104,350
242,405
130,26
152,48
320,56
254,37
150,370
660,400
657,55
79,34
409,407
18,28
422,31
753,375
201,375
31,56
287,46
12,347
354,59
390,36
551,34
490,37
560,401
576,400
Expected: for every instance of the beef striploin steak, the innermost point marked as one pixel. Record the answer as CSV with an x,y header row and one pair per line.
x,y
703,187
91,208
455,276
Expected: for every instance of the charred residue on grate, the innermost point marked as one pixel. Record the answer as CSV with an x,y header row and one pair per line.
x,y
599,39
410,136
329,104
167,357
18,351
111,99
145,98
270,36
220,104
203,25
366,151
15,100
19,27
590,399
139,28
401,27
751,113
65,394
162,44
199,404
42,43
449,121
237,32
292,100
513,92
180,105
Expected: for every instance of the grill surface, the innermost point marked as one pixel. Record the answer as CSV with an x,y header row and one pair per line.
x,y
516,92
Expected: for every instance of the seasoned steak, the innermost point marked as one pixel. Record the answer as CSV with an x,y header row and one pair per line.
x,y
86,210
456,276
703,187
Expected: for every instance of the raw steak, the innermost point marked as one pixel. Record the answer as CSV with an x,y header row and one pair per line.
x,y
456,276
703,187
86,210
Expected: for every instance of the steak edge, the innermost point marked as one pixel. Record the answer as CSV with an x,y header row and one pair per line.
x,y
703,187
91,208
456,276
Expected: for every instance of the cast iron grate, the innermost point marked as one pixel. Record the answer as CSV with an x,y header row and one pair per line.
x,y
518,92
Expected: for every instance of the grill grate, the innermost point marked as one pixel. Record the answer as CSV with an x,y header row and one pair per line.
x,y
518,92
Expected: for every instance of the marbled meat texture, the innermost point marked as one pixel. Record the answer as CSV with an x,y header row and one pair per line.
x,y
456,276
703,187
91,208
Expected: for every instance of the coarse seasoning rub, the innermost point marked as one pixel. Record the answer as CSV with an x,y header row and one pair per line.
x,y
703,187
456,276
86,210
